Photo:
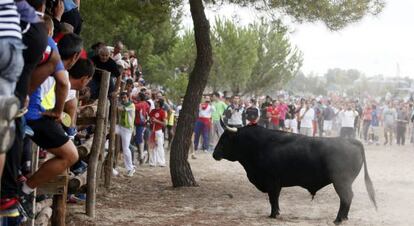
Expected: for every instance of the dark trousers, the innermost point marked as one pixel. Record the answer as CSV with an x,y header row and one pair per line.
x,y
401,129
347,132
365,127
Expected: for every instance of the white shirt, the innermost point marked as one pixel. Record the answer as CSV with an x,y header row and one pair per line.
x,y
307,117
152,105
205,113
348,118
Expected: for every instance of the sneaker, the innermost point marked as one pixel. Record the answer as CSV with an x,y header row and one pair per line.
x,y
79,168
115,172
80,197
131,173
9,108
193,156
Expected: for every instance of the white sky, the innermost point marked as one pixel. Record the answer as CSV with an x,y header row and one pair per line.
x,y
374,45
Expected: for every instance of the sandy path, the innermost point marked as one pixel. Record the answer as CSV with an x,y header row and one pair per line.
x,y
226,197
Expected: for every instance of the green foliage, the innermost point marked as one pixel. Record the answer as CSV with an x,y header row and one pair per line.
x,y
151,29
336,14
252,59
235,55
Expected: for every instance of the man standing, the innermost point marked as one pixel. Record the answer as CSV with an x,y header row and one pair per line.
x,y
124,129
104,62
203,124
264,120
347,117
328,116
234,113
306,117
273,114
402,122
218,109
142,110
389,119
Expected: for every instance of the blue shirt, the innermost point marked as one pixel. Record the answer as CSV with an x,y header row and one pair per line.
x,y
69,5
35,108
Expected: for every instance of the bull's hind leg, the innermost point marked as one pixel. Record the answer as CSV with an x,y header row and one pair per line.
x,y
274,201
345,194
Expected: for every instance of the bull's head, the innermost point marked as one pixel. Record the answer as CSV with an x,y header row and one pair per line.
x,y
226,147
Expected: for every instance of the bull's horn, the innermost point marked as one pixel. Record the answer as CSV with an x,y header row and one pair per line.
x,y
231,129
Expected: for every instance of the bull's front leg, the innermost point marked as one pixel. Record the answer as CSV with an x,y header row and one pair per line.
x,y
274,201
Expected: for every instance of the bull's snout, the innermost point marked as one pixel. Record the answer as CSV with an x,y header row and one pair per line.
x,y
217,156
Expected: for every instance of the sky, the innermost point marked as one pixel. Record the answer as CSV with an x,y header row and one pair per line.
x,y
375,45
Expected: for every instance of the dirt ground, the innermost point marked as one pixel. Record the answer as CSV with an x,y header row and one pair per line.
x,y
226,197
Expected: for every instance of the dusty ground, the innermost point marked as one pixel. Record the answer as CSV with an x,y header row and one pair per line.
x,y
226,197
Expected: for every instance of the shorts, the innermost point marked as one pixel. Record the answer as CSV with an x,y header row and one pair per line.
x,y
48,133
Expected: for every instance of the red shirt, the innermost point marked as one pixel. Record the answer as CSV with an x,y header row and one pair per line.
x,y
160,115
274,113
142,109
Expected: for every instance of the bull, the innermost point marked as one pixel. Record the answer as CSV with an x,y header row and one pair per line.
x,y
275,159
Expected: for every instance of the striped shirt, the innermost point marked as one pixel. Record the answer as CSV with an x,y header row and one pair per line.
x,y
9,20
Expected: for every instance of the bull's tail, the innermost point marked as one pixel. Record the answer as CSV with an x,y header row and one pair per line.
x,y
368,182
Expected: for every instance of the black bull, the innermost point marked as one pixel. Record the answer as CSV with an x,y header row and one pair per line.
x,y
276,159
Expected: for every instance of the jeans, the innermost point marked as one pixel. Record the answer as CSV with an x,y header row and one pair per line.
x,y
201,128
11,64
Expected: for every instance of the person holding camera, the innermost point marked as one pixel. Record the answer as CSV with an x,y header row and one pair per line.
x,y
347,117
234,113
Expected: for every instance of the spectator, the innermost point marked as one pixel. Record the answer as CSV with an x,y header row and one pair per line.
x,y
203,124
389,118
402,122
366,117
273,114
48,134
104,62
375,116
283,109
291,122
328,115
306,116
72,15
252,113
233,113
264,120
219,107
347,117
141,116
158,122
124,130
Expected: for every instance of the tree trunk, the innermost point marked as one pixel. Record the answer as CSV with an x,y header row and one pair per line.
x,y
181,174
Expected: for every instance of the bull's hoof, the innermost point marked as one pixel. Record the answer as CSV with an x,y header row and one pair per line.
x,y
274,215
338,221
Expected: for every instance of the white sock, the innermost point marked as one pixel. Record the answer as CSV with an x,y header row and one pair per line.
x,y
26,189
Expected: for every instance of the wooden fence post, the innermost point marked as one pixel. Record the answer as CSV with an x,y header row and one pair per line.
x,y
96,145
111,150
